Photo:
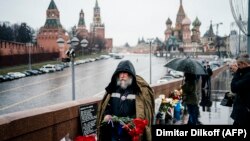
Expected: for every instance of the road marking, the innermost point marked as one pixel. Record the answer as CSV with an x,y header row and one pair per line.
x,y
33,83
28,99
45,93
64,75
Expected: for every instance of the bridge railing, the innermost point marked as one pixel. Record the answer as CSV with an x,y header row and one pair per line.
x,y
52,123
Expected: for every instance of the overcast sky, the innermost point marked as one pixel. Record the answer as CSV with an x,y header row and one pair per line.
x,y
125,20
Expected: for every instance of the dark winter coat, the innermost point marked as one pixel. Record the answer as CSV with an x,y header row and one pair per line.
x,y
189,89
209,72
240,86
144,100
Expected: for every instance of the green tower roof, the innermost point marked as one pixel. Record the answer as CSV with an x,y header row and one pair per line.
x,y
196,22
81,21
53,23
52,5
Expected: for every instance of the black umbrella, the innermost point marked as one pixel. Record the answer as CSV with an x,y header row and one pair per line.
x,y
186,65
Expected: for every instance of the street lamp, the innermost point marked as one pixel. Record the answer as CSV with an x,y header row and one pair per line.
x,y
30,44
84,43
71,53
60,42
150,60
217,37
239,36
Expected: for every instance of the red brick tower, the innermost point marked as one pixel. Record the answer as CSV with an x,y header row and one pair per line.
x,y
81,28
97,28
48,34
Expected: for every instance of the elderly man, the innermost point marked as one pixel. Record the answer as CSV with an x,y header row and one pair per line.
x,y
240,86
127,95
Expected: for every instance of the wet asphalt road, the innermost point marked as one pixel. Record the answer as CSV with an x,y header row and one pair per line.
x,y
91,80
53,88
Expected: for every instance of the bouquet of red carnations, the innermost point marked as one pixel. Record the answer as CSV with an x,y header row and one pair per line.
x,y
135,128
91,137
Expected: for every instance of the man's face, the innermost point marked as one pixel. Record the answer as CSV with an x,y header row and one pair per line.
x,y
123,76
241,64
124,80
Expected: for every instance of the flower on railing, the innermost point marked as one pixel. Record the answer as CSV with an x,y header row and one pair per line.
x,y
91,137
176,94
166,104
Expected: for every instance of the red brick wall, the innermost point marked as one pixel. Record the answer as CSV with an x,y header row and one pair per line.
x,y
14,53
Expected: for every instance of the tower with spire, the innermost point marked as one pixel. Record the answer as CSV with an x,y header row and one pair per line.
x,y
81,30
97,28
48,34
180,16
196,30
53,16
169,30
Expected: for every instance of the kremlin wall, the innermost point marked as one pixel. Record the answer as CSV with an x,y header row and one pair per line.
x,y
46,48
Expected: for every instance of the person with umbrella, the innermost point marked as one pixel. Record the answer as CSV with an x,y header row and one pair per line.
x,y
204,79
192,70
190,98
210,73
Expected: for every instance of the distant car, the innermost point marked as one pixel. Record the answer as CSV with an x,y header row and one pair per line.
x,y
48,68
16,74
33,72
26,73
166,78
176,74
59,67
105,56
118,56
1,78
8,77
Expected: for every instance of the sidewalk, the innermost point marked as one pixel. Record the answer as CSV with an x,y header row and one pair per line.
x,y
211,112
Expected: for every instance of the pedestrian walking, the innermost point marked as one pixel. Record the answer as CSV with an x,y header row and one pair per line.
x,y
209,75
204,79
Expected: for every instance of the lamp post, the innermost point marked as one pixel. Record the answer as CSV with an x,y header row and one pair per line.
x,y
150,60
239,36
30,56
217,38
71,53
30,44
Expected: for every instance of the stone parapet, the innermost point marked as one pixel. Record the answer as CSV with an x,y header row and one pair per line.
x,y
52,123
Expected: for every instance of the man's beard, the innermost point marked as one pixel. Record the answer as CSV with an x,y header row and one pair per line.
x,y
124,83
